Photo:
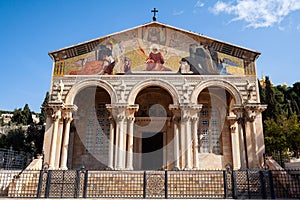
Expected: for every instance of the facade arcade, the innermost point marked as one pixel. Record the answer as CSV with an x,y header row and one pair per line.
x,y
154,97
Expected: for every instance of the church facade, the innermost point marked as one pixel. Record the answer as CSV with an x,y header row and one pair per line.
x,y
154,97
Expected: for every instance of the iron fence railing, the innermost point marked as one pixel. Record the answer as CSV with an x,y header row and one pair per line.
x,y
239,184
11,159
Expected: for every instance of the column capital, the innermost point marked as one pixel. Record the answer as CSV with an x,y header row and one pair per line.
x,y
255,107
238,110
131,118
252,110
232,118
56,115
122,108
185,115
232,128
190,106
120,117
67,115
195,119
131,109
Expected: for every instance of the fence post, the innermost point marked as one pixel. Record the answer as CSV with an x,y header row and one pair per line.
x,y
263,184
145,185
273,196
47,189
77,183
225,184
40,184
85,183
248,183
234,185
166,184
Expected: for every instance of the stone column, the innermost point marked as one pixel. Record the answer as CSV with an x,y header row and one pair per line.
x,y
48,135
186,138
251,111
182,144
176,135
249,144
176,143
116,147
56,118
64,153
130,110
111,144
59,143
195,142
130,122
189,157
121,135
240,131
236,157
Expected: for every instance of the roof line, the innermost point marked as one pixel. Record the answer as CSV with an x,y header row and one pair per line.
x,y
155,22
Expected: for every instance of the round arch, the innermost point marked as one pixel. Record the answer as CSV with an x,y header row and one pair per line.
x,y
77,87
153,82
219,83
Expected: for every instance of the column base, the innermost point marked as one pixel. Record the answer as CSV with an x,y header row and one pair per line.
x,y
63,168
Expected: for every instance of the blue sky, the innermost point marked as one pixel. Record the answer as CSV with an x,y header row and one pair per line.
x,y
32,28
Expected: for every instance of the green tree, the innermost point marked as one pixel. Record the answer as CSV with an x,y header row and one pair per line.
x,y
3,141
27,114
270,100
34,138
22,117
282,133
1,122
43,115
18,117
16,139
293,135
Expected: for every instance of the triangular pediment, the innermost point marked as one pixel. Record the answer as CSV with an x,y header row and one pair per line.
x,y
132,49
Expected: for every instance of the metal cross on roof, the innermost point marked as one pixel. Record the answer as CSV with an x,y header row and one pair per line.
x,y
154,11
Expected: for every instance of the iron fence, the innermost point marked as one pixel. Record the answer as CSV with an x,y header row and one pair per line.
x,y
11,159
240,184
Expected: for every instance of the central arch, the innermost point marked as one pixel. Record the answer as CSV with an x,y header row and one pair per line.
x,y
152,131
153,82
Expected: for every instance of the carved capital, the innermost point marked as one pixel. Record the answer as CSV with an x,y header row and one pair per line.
x,y
185,118
56,115
195,119
252,110
120,117
232,119
232,128
131,118
68,116
131,109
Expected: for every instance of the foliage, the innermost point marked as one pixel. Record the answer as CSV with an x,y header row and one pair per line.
x,y
28,137
282,117
22,116
26,140
1,122
282,133
43,114
35,138
15,139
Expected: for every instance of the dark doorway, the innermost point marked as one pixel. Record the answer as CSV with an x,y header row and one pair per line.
x,y
152,151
